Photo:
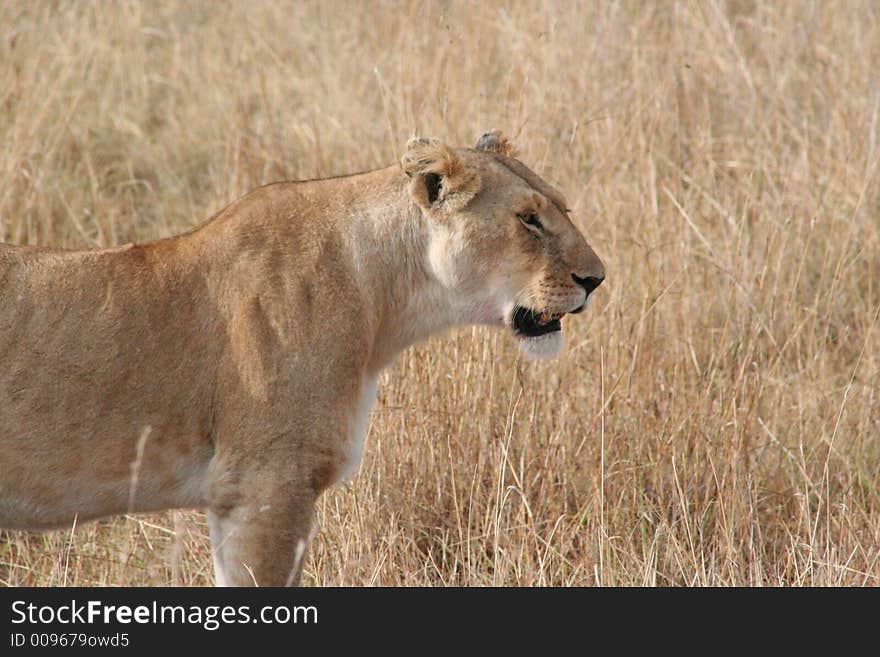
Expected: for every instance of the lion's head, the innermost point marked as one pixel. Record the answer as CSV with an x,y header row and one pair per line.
x,y
501,238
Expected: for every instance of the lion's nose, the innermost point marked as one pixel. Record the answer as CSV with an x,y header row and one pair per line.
x,y
589,283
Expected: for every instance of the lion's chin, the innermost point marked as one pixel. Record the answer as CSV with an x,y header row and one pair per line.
x,y
542,346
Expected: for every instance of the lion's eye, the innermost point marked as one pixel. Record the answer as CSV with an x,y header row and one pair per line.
x,y
530,220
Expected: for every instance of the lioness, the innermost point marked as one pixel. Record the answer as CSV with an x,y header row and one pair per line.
x,y
233,368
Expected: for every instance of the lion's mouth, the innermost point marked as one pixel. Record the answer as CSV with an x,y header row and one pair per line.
x,y
531,323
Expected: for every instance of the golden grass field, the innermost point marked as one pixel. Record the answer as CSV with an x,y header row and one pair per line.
x,y
715,416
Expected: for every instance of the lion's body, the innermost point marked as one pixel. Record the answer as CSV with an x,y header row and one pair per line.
x,y
88,344
231,368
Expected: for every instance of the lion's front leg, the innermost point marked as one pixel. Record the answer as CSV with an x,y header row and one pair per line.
x,y
269,466
263,542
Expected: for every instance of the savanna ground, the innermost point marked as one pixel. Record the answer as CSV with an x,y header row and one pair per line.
x,y
715,417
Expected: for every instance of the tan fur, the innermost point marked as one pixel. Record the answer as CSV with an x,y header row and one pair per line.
x,y
232,368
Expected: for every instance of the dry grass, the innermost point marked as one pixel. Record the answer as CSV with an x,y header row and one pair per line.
x,y
715,419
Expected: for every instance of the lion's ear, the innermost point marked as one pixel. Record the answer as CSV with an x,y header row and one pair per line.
x,y
439,178
495,142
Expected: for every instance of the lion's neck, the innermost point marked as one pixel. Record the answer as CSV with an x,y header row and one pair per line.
x,y
378,272
391,251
